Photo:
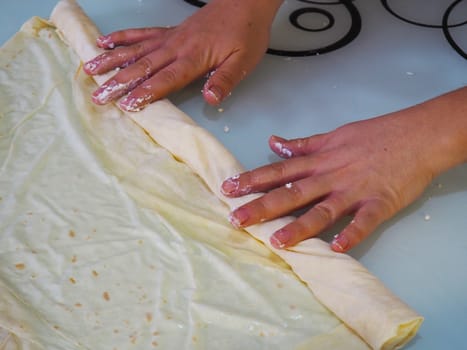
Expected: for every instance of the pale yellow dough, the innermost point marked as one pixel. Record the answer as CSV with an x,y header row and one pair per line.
x,y
107,241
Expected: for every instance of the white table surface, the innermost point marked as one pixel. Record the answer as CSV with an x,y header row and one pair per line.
x,y
390,65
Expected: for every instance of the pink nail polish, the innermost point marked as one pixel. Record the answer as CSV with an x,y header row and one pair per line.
x,y
212,96
280,238
238,217
213,93
283,151
340,243
106,41
230,185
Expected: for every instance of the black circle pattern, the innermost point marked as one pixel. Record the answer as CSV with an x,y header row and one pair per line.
x,y
355,27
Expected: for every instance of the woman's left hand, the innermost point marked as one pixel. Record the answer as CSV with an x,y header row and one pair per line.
x,y
225,38
370,169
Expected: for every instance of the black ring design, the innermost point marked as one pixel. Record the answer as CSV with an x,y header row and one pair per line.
x,y
444,24
352,33
420,24
294,17
447,33
294,20
196,3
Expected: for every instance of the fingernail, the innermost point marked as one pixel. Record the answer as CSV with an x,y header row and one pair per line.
x,y
280,238
90,67
213,93
105,41
282,150
108,92
238,217
340,243
230,185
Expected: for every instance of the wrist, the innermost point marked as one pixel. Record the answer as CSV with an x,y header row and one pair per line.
x,y
446,116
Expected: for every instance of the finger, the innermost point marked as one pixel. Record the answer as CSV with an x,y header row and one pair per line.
x,y
120,57
128,37
314,221
224,79
130,77
366,219
280,201
267,177
297,147
171,78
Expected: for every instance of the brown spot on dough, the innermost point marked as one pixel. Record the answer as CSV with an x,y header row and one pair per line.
x,y
106,296
20,266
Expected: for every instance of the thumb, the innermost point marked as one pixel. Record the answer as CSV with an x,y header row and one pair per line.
x,y
223,80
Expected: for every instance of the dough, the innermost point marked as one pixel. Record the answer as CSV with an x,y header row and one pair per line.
x,y
357,298
139,261
102,245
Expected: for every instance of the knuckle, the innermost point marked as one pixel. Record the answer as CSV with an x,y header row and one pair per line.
x,y
139,48
145,66
278,170
382,208
326,212
168,76
296,193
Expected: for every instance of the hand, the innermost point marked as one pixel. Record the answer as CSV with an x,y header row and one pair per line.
x,y
370,169
225,38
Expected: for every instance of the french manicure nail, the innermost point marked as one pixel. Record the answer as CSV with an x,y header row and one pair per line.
x,y
230,185
280,238
90,66
283,151
238,217
108,91
340,243
214,93
105,41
